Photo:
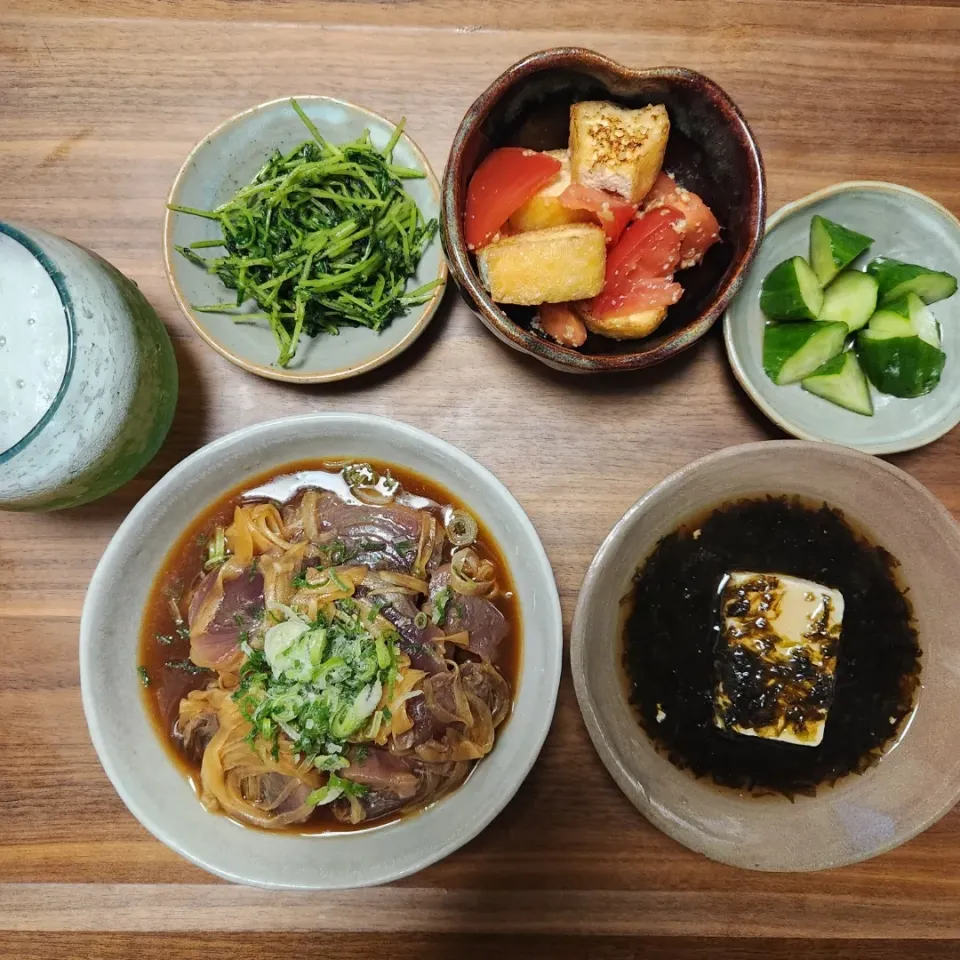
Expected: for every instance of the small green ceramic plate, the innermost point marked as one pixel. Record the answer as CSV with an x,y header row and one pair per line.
x,y
228,158
904,225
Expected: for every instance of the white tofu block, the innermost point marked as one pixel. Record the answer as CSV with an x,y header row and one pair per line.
x,y
776,656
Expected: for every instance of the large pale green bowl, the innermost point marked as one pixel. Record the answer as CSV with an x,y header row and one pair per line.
x,y
114,404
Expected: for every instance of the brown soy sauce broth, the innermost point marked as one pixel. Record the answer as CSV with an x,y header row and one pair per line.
x,y
164,651
671,628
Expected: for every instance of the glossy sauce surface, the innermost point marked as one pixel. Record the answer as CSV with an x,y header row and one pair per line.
x,y
165,651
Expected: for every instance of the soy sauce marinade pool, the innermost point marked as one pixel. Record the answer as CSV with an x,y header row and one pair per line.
x,y
670,638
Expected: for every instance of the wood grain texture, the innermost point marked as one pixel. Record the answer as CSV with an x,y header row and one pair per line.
x,y
112,946
100,100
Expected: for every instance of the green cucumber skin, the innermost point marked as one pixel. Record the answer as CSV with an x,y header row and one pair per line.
x,y
833,247
841,381
781,297
888,324
897,279
783,341
907,317
901,366
850,299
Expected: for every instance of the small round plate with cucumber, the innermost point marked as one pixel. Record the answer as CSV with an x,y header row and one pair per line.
x,y
847,328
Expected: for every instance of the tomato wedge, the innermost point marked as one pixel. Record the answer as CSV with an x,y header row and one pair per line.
x,y
640,267
701,230
650,244
613,213
641,293
504,182
559,321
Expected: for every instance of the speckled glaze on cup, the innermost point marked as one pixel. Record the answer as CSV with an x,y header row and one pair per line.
x,y
229,157
711,151
116,401
918,779
905,225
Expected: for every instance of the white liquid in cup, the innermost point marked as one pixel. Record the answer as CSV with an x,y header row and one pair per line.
x,y
34,342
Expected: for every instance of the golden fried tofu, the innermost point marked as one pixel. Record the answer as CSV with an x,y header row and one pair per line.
x,y
632,326
616,149
544,209
545,266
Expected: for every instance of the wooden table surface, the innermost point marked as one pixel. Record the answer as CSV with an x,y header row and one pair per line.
x,y
100,100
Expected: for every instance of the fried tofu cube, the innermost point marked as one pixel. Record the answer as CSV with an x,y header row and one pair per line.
x,y
545,266
544,209
616,149
632,326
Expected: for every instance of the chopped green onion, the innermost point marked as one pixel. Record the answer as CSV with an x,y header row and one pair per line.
x,y
440,602
461,528
216,550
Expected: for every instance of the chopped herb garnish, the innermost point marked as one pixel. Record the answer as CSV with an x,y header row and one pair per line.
x,y
440,602
187,666
404,546
238,618
360,475
361,755
254,567
216,550
165,638
336,552
375,611
322,682
144,676
324,236
183,631
300,581
421,620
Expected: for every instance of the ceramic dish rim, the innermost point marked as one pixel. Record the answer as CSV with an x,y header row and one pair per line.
x,y
493,317
550,662
609,756
279,373
733,356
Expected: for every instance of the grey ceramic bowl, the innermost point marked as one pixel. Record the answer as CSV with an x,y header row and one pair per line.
x,y
711,151
918,779
226,159
905,225
156,791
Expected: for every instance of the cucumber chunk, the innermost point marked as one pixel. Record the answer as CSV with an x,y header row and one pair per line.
x,y
833,247
791,291
907,317
842,381
850,299
792,351
900,366
897,279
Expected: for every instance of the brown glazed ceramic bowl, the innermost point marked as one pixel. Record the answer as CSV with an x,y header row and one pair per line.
x,y
711,151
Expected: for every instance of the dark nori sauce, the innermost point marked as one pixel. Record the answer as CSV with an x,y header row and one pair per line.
x,y
670,657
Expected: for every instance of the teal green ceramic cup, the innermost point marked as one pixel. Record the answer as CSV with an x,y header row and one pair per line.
x,y
88,379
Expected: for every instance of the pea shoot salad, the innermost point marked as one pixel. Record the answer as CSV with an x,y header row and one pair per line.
x,y
324,236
